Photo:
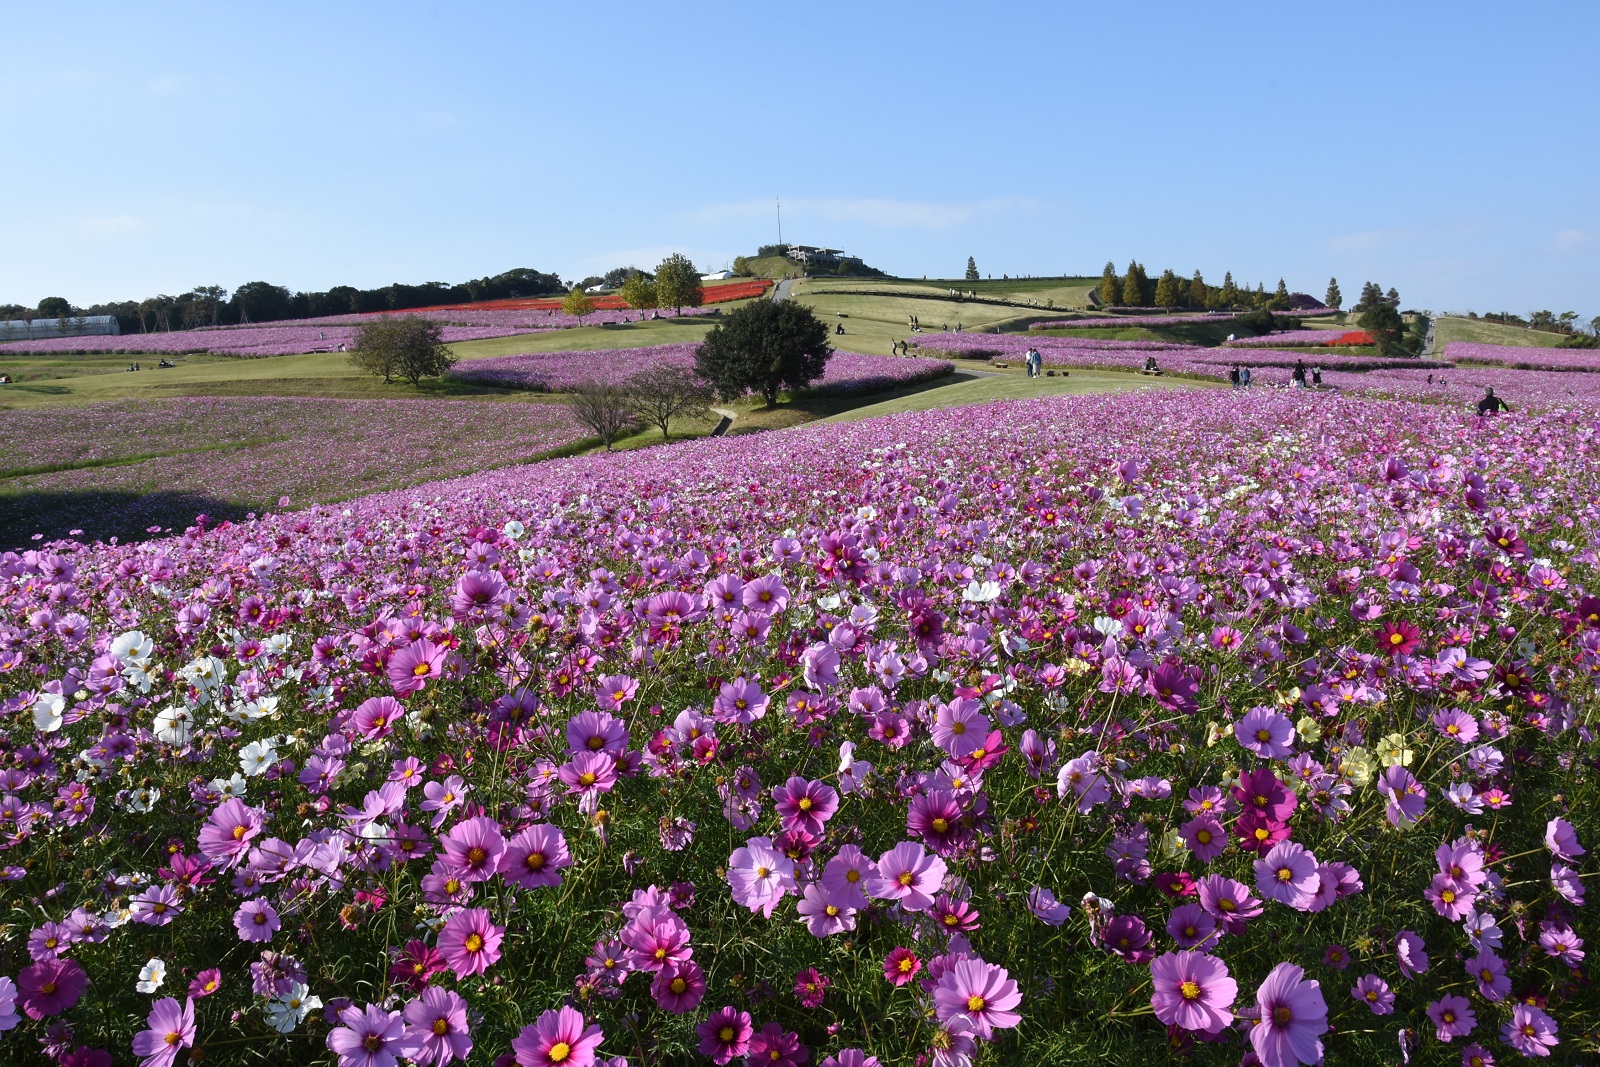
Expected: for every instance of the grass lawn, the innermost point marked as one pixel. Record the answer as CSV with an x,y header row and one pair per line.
x,y
1013,386
1451,328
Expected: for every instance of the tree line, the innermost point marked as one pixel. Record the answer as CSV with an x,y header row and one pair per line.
x,y
213,305
1134,287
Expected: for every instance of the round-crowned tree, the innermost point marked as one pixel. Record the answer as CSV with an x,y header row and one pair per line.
x,y
765,347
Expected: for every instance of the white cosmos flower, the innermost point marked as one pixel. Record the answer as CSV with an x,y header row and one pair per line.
x,y
229,787
1106,626
286,1012
852,772
143,799
256,757
47,712
174,725
151,975
140,676
132,647
981,592
513,529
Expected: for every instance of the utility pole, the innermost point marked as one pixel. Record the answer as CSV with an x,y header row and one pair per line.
x,y
779,202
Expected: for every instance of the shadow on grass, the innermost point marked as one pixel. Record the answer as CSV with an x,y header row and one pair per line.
x,y
104,514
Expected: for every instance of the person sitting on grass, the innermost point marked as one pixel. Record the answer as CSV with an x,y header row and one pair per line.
x,y
1491,403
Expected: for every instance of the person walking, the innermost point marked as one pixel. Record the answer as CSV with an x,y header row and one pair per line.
x,y
1244,377
1299,374
1233,376
1316,376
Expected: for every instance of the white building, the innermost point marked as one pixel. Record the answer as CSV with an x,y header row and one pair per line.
x,y
717,276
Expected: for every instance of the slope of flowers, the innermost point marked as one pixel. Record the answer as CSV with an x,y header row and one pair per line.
x,y
1088,728
1303,339
1464,384
1554,359
1119,321
133,464
562,371
245,341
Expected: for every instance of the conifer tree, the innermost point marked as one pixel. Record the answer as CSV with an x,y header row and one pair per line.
x,y
1167,290
1108,291
972,269
1132,289
1199,291
1280,297
1334,297
1230,292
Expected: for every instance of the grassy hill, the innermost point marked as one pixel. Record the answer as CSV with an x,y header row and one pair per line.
x,y
1454,328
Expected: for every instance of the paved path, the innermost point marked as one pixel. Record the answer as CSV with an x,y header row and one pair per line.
x,y
726,424
780,291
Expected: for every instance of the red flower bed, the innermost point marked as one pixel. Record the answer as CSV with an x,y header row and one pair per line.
x,y
1354,337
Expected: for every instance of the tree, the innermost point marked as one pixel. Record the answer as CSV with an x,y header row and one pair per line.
x,y
1108,291
1334,297
1199,291
261,302
972,270
55,307
765,347
665,392
1230,292
577,304
741,265
1280,298
603,409
1167,290
639,292
1386,327
678,283
401,346
1132,290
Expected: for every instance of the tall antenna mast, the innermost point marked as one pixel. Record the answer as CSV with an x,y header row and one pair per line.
x,y
779,202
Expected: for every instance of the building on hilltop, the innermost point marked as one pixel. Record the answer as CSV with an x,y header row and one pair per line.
x,y
811,255
72,326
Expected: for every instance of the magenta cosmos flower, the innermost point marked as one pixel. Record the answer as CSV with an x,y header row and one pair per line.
x,y
1374,992
901,966
907,873
369,1037
534,857
558,1039
256,920
226,836
1291,1018
472,849
979,992
725,1035
1453,1016
436,1028
470,941
1266,732
1530,1031
679,987
1288,873
171,1028
804,805
50,987
1193,991
413,666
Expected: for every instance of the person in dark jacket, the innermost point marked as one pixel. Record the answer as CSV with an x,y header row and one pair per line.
x,y
1491,403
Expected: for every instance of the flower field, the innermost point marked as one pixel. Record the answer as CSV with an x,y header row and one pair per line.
x,y
1078,729
848,372
119,467
1555,359
242,341
1115,322
1191,360
1303,339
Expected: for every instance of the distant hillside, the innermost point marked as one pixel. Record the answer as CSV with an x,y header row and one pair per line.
x,y
779,267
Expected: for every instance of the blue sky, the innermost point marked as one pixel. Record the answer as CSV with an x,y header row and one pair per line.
x,y
1447,149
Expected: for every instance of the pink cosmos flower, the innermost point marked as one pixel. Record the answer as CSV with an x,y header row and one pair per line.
x,y
535,857
823,916
1266,732
774,1045
679,987
901,966
596,731
170,1028
1410,954
369,1037
656,939
1558,941
960,727
256,920
981,993
1046,908
811,987
470,941
1374,992
1191,926
206,983
436,1028
1083,782
1399,638
376,717
226,836
1453,1016
1530,1031
740,701
1407,796
845,877
1204,836
907,874
50,987
614,690
1193,991
1449,898
850,1057
1288,874
1562,840
759,875
1229,902
557,1039
473,848
1489,971
412,667
725,1035
589,773
803,805
1291,1017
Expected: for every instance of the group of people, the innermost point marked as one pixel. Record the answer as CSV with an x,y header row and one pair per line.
x,y
1033,359
1239,376
163,363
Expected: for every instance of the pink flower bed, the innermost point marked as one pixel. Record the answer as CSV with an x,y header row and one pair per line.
x,y
1554,359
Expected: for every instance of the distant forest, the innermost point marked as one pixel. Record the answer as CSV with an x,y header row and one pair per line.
x,y
212,305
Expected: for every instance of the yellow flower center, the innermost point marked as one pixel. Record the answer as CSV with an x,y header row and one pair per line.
x,y
559,1052
975,1003
473,943
1190,990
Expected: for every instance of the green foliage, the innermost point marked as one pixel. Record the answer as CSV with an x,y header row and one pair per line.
x,y
406,346
1280,297
1133,285
1229,294
1108,291
1387,328
577,303
1199,291
1167,290
765,347
665,392
639,292
972,270
54,307
1333,298
741,266
678,283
